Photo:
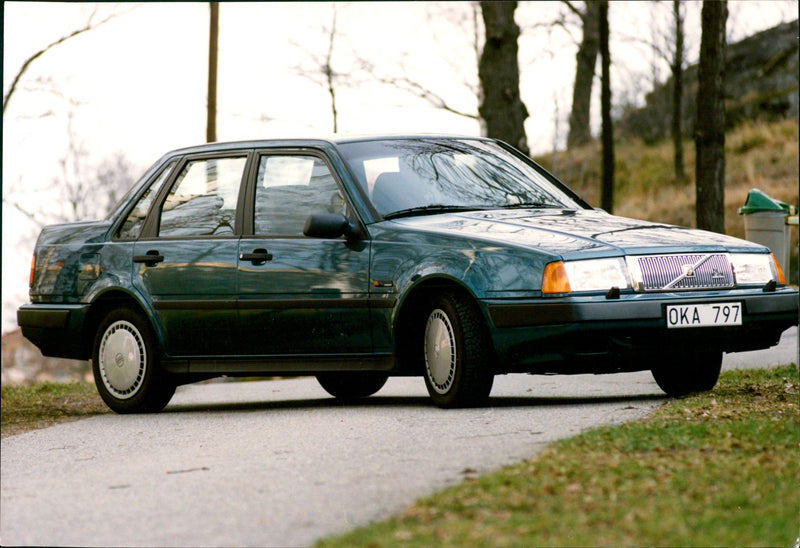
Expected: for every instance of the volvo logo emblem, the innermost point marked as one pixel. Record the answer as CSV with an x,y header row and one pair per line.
x,y
688,271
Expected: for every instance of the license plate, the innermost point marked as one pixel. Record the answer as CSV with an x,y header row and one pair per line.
x,y
704,315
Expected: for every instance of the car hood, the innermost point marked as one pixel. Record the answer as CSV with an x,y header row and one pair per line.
x,y
576,233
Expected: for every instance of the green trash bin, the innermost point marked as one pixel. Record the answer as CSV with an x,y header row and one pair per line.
x,y
767,222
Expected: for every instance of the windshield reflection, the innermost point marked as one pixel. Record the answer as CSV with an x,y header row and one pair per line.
x,y
424,176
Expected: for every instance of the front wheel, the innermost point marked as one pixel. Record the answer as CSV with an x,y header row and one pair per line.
x,y
126,366
456,350
682,373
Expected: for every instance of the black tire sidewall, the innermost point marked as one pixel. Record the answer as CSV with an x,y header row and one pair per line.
x,y
155,390
682,373
352,385
471,379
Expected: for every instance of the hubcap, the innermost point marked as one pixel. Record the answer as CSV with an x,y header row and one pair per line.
x,y
440,351
122,359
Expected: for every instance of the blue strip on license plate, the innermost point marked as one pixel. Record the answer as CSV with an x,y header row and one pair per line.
x,y
704,315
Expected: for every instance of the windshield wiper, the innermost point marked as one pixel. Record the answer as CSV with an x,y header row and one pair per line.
x,y
533,205
430,209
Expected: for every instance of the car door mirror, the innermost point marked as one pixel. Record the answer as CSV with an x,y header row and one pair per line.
x,y
329,225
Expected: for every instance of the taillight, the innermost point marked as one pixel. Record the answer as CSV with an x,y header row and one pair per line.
x,y
33,269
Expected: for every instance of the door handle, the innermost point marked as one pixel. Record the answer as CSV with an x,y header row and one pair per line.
x,y
257,257
152,258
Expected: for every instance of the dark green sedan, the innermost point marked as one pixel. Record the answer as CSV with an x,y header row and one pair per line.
x,y
355,259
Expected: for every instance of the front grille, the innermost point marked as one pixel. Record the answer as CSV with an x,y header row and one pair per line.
x,y
682,272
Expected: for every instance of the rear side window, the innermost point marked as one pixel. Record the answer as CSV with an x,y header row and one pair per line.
x,y
202,201
132,226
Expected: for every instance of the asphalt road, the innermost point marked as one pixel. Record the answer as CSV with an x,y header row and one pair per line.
x,y
279,463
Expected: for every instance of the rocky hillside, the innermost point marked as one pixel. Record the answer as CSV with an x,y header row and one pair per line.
x,y
761,83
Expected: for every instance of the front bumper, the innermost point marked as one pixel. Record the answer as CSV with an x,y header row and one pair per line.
x,y
597,334
56,329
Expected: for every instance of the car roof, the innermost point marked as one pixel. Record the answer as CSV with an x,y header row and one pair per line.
x,y
332,140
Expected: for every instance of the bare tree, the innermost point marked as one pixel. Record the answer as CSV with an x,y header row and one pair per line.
x,y
677,92
322,71
213,48
586,59
326,69
114,176
710,127
607,194
462,17
667,43
82,190
403,81
501,106
90,191
90,25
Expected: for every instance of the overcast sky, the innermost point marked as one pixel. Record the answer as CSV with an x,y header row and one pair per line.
x,y
137,84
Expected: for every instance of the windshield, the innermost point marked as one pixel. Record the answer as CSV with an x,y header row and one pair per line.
x,y
423,176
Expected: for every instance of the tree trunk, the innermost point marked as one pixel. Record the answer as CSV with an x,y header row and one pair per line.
x,y
501,107
710,127
579,118
211,111
330,75
607,195
677,92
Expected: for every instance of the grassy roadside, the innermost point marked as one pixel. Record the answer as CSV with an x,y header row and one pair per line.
x,y
717,469
30,407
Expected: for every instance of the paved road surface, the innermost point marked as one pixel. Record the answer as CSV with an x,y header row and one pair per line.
x,y
280,463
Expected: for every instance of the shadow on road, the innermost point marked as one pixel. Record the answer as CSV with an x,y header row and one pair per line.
x,y
406,402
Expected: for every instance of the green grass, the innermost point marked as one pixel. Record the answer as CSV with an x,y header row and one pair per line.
x,y
715,469
29,407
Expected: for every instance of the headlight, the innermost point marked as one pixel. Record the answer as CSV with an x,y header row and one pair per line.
x,y
756,269
589,275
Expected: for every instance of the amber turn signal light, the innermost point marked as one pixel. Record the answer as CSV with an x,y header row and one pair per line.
x,y
781,277
555,279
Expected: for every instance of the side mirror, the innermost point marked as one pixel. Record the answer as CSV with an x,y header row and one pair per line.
x,y
330,226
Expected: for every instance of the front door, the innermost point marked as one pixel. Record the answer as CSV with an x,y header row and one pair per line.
x,y
300,295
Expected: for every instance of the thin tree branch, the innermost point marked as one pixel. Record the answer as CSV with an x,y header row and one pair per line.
x,y
24,211
89,26
415,88
574,10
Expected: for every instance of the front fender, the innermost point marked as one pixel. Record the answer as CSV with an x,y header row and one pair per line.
x,y
401,259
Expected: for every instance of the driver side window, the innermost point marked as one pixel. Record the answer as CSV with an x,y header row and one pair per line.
x,y
290,188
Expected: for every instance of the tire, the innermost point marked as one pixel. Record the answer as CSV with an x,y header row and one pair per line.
x,y
456,350
349,386
126,367
682,373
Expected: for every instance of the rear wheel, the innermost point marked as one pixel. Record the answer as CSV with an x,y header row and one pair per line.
x,y
681,373
456,352
126,366
351,385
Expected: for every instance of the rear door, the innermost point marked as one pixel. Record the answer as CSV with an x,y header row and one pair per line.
x,y
186,259
300,295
